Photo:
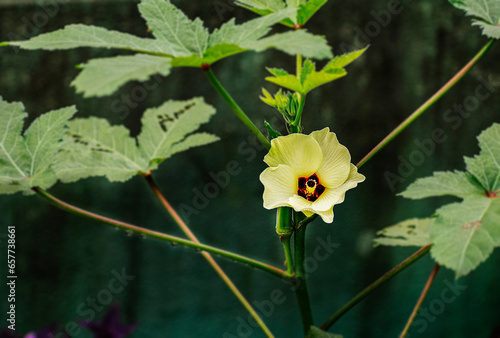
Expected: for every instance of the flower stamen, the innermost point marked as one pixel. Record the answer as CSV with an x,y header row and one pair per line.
x,y
310,188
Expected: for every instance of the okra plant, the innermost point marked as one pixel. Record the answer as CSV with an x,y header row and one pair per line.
x,y
308,173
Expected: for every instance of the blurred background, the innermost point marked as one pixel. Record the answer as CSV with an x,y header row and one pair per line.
x,y
63,261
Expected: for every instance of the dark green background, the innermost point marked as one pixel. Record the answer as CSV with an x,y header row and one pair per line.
x,y
63,259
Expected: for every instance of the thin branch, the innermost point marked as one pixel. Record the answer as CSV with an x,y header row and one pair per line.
x,y
236,108
420,301
184,227
360,296
427,103
150,233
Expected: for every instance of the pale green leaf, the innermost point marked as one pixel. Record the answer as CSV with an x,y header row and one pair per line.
x,y
212,55
315,332
307,10
283,79
74,36
25,162
455,183
271,5
310,78
247,33
95,148
165,128
486,166
343,60
101,77
296,42
465,234
173,28
192,141
412,232
488,11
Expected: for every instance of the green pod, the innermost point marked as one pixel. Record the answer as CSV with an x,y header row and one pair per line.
x,y
284,224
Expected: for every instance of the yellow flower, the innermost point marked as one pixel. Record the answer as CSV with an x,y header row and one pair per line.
x,y
309,173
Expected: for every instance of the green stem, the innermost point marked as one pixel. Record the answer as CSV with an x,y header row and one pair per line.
x,y
298,117
420,301
360,296
300,281
236,109
184,227
149,233
299,65
302,98
427,104
288,254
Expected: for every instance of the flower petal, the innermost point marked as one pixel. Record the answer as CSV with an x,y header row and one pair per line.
x,y
299,203
298,151
336,159
327,216
336,195
280,183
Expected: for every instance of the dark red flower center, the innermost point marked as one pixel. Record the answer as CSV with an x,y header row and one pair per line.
x,y
310,188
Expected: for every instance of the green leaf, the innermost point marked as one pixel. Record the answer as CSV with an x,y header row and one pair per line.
x,y
315,332
455,183
165,129
488,11
25,161
412,232
247,33
310,78
74,36
186,42
93,147
486,166
172,27
296,42
101,77
305,9
465,234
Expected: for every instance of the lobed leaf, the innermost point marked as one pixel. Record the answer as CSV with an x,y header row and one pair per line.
x,y
165,129
465,234
181,41
488,11
455,183
310,78
173,28
92,147
25,162
78,35
486,166
412,232
104,76
95,148
305,9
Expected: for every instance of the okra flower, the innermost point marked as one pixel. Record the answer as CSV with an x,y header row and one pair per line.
x,y
309,173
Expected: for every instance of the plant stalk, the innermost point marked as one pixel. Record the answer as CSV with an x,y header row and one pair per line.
x,y
165,237
286,241
427,103
420,301
300,282
360,296
236,109
184,227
